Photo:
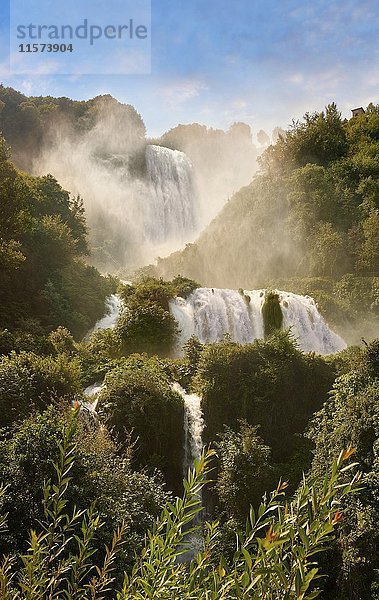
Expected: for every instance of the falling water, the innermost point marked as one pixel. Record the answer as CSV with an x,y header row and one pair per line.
x,y
113,309
209,314
92,396
193,427
313,334
173,206
193,447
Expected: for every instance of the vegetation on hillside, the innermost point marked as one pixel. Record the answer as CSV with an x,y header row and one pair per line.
x,y
44,281
93,503
28,123
311,212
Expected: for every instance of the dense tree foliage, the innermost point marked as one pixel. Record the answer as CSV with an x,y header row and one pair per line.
x,y
101,473
29,382
44,282
272,313
28,123
146,324
269,383
245,470
275,557
351,417
138,399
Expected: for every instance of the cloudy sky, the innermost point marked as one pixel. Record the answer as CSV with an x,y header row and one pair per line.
x,y
219,61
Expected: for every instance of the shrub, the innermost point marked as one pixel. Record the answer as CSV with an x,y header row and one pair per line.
x,y
274,558
245,472
351,417
101,473
138,399
147,325
268,383
146,328
29,382
272,313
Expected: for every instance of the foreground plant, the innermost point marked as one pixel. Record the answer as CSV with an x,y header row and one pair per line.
x,y
59,562
275,558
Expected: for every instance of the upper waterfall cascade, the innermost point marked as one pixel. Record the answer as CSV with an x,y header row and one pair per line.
x,y
209,314
173,206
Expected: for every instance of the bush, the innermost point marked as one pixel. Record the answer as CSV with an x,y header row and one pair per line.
x,y
101,473
138,399
146,328
276,557
351,418
62,341
29,382
24,341
147,325
245,472
268,383
272,313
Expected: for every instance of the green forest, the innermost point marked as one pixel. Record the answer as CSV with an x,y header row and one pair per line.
x,y
98,497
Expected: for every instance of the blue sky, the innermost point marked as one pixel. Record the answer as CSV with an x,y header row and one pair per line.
x,y
219,61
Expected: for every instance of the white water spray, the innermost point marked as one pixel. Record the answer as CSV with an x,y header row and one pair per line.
x,y
193,427
173,206
209,314
134,215
92,396
193,447
300,313
113,309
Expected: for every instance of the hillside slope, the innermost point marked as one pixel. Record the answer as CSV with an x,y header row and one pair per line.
x,y
311,212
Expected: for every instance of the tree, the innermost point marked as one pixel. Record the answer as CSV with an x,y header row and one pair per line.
x,y
369,254
150,329
328,251
277,133
100,473
281,563
350,419
268,383
245,472
138,400
29,382
42,239
147,325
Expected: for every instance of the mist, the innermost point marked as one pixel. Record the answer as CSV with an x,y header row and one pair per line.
x,y
144,198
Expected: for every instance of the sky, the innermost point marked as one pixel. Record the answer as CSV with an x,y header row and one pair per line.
x,y
263,62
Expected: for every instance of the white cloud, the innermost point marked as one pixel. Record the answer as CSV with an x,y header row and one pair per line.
x,y
296,78
239,104
180,92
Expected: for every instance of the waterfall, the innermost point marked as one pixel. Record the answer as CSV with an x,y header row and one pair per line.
x,y
209,314
313,334
113,309
94,389
193,427
92,397
173,206
193,447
